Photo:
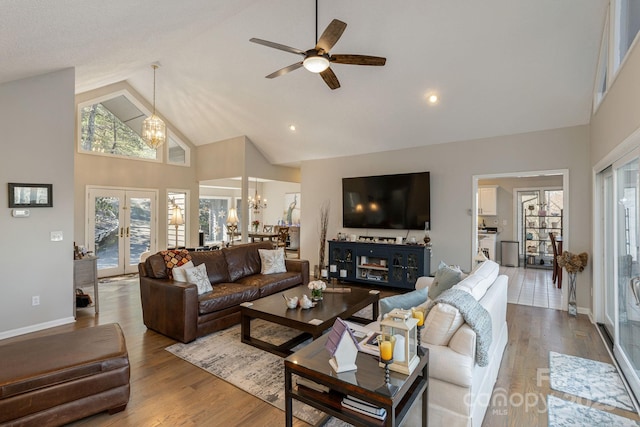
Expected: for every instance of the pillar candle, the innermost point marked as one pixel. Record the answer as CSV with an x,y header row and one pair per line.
x,y
420,316
386,350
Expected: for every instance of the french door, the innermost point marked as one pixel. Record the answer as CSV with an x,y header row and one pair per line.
x,y
121,226
627,273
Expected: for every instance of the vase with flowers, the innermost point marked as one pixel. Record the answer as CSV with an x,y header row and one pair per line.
x,y
317,286
255,224
573,264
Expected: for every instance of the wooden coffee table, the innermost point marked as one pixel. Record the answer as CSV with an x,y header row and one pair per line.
x,y
312,363
311,322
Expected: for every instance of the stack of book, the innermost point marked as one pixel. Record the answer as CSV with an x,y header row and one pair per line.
x,y
362,407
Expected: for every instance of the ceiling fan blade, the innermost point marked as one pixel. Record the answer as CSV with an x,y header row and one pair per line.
x,y
331,35
330,79
358,59
278,46
284,70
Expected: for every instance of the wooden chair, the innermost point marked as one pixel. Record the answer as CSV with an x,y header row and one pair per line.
x,y
267,228
294,242
283,236
557,271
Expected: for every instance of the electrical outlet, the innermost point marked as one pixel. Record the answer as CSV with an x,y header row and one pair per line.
x,y
56,236
35,300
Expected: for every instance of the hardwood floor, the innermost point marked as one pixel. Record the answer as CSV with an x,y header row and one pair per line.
x,y
167,391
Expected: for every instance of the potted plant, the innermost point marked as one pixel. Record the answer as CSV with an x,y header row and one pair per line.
x,y
255,223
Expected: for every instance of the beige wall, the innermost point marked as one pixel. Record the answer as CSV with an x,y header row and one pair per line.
x,y
452,167
618,115
95,170
36,118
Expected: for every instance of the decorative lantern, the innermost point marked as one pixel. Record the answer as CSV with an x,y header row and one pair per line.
x,y
402,325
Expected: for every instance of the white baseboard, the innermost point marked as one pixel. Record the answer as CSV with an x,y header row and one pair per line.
x,y
35,328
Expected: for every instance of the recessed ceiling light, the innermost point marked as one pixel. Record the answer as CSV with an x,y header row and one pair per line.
x,y
292,128
433,99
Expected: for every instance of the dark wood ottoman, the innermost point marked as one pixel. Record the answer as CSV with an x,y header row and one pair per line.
x,y
56,379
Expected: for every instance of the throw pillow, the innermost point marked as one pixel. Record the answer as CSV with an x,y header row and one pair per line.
x,y
481,279
199,277
175,258
272,261
403,301
441,323
180,273
446,277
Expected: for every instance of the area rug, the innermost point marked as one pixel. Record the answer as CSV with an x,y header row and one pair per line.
x,y
563,413
590,379
257,372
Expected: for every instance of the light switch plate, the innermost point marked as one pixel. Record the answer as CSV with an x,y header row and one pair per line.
x,y
56,236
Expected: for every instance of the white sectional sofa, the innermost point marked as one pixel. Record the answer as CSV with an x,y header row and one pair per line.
x,y
459,389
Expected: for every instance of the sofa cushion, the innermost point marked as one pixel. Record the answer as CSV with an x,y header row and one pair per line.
x,y
175,258
271,283
244,260
272,261
446,277
180,273
226,295
441,323
216,265
480,280
198,276
404,301
156,267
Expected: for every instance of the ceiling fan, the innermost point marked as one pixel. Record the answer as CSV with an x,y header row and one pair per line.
x,y
318,59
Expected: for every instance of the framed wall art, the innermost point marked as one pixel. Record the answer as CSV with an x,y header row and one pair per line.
x,y
30,195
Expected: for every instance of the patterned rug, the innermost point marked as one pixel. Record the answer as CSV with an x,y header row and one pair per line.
x,y
569,414
257,372
596,381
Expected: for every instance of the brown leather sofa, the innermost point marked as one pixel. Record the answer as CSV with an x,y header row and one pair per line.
x,y
176,310
55,379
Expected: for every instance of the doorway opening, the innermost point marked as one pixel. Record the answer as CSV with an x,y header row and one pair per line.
x,y
513,227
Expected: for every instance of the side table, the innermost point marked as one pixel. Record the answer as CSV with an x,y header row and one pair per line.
x,y
312,363
85,273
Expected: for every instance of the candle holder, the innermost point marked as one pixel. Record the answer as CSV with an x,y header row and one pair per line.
x,y
419,314
386,344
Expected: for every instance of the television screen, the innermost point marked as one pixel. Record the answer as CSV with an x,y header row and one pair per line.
x,y
386,201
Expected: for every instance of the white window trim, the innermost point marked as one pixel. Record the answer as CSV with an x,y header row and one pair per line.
x,y
183,145
186,214
159,153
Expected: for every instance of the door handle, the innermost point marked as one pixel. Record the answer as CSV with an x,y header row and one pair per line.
x,y
634,282
127,231
121,231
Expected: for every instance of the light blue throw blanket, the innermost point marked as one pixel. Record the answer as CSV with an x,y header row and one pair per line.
x,y
474,314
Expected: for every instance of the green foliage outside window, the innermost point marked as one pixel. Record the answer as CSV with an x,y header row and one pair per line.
x,y
103,132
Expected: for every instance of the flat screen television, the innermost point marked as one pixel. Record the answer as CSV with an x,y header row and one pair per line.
x,y
399,201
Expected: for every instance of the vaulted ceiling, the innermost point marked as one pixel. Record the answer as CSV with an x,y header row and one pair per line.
x,y
499,67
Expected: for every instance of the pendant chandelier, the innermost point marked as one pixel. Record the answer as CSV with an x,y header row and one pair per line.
x,y
154,131
256,203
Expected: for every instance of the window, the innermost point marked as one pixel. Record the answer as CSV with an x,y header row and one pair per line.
x,y
176,235
627,26
178,151
603,69
113,127
213,219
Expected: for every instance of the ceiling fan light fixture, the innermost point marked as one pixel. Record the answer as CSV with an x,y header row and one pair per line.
x,y
316,63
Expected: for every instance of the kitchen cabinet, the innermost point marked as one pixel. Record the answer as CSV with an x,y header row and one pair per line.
x,y
383,264
488,200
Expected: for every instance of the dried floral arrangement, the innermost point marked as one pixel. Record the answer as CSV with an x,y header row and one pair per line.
x,y
324,225
573,263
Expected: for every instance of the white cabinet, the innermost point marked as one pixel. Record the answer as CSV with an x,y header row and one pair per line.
x,y
488,200
487,244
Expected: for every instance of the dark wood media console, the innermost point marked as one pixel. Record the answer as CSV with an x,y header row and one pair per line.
x,y
384,264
